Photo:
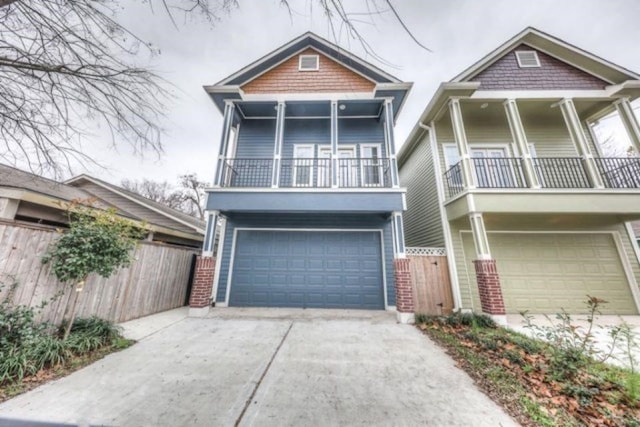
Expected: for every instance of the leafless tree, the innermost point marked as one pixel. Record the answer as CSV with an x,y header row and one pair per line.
x,y
188,196
67,66
161,192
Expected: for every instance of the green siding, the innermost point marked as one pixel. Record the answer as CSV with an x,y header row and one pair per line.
x,y
422,221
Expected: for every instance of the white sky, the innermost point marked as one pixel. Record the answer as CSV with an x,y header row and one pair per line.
x,y
458,31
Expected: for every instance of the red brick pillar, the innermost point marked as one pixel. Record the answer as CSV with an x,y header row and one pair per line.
x,y
489,287
200,297
404,290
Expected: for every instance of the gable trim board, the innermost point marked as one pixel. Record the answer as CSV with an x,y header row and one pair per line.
x,y
364,230
307,40
556,48
134,200
621,252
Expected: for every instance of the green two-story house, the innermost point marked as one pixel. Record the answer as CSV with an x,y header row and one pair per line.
x,y
503,170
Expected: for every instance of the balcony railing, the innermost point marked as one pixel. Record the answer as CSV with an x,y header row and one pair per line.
x,y
552,172
561,172
306,173
621,172
502,172
453,180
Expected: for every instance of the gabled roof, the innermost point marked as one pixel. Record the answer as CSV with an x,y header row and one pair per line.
x,y
295,46
170,213
15,178
557,48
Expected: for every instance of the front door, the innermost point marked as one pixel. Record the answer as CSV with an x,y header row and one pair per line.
x,y
347,167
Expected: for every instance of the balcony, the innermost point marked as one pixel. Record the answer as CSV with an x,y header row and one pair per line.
x,y
313,185
565,187
306,173
552,173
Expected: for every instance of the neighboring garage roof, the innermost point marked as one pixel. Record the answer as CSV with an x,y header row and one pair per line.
x,y
28,187
152,212
15,178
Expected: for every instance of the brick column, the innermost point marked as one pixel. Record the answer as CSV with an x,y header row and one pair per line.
x,y
489,287
404,290
200,298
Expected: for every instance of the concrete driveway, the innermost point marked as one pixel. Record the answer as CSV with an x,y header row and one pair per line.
x,y
267,368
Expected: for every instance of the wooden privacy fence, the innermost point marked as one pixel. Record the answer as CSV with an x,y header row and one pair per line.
x,y
156,280
431,284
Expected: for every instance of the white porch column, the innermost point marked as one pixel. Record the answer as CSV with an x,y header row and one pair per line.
x,y
579,139
227,123
277,146
210,233
398,236
390,141
461,141
520,138
480,239
630,121
8,208
334,144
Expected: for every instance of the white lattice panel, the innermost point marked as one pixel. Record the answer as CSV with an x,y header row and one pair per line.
x,y
426,251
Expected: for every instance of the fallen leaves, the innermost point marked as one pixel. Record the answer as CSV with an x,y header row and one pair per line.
x,y
584,399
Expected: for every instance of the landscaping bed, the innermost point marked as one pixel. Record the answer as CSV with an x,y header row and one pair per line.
x,y
33,353
558,381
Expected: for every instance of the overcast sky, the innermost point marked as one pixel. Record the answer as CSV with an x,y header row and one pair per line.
x,y
459,32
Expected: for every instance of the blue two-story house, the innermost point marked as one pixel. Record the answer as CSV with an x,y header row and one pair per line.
x,y
306,193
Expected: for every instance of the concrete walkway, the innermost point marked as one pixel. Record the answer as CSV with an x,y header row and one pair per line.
x,y
266,368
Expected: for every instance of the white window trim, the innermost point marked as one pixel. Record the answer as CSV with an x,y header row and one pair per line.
x,y
295,164
521,65
362,166
317,67
444,154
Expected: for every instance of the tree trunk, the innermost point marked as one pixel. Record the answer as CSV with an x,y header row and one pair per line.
x,y
72,309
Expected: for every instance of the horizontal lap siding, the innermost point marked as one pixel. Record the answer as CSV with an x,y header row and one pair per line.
x,y
256,139
549,135
306,221
422,223
305,131
361,131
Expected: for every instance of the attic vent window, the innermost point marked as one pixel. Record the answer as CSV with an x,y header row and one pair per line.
x,y
309,63
527,58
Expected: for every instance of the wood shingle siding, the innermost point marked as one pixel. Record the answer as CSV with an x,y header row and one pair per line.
x,y
505,74
422,223
330,77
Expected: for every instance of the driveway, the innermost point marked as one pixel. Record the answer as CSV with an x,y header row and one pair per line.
x,y
265,367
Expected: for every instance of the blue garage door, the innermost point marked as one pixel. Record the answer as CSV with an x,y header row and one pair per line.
x,y
307,269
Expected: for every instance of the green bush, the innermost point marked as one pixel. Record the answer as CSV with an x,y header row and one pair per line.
x,y
470,319
26,346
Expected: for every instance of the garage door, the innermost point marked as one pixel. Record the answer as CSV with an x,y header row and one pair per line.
x,y
307,269
543,273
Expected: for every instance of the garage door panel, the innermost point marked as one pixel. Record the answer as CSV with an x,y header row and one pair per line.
x,y
314,269
545,272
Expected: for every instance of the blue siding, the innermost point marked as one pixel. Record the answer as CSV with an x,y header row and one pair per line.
x,y
308,221
256,139
361,131
303,131
289,201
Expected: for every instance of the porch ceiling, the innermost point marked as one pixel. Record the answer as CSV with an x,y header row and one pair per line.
x,y
316,109
478,110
